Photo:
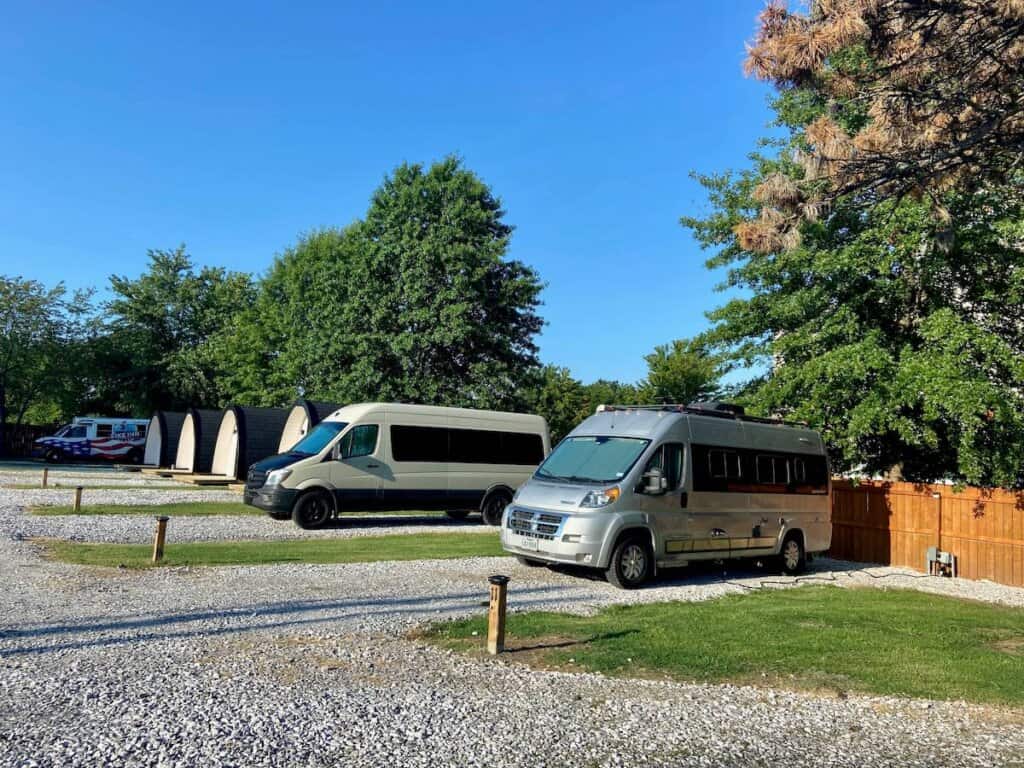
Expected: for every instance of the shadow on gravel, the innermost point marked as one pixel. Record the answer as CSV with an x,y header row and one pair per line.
x,y
258,617
398,521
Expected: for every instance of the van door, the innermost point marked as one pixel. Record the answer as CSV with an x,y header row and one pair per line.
x,y
418,477
667,510
719,519
356,471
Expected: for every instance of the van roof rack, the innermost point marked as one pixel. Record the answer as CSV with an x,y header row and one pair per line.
x,y
713,408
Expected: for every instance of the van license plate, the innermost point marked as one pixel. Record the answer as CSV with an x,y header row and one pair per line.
x,y
530,543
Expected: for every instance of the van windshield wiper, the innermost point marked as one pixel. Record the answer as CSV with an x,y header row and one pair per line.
x,y
549,476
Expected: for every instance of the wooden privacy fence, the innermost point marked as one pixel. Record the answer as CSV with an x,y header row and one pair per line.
x,y
895,523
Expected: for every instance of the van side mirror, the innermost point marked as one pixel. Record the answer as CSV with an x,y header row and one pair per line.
x,y
653,482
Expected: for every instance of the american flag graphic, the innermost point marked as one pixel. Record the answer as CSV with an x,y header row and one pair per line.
x,y
107,447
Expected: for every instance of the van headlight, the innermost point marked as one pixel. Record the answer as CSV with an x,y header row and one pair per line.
x,y
600,498
277,477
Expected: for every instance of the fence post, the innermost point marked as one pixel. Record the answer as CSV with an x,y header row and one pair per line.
x,y
158,540
78,499
46,476
496,614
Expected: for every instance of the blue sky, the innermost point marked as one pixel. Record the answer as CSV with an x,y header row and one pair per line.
x,y
235,127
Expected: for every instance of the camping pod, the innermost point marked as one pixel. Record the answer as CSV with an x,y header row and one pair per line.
x,y
246,435
162,438
303,416
198,438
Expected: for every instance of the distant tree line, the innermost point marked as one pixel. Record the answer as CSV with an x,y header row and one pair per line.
x,y
415,302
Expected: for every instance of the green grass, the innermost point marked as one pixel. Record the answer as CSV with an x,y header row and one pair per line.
x,y
363,549
177,509
890,642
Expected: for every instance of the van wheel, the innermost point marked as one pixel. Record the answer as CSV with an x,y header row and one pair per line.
x,y
457,514
494,506
632,563
135,456
54,456
529,562
312,510
793,559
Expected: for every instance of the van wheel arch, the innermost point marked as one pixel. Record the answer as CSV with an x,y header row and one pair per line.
x,y
318,490
788,566
487,511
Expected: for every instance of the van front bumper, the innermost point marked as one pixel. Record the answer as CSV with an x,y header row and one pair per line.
x,y
272,499
577,541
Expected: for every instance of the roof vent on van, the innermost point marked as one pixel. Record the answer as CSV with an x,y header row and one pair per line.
x,y
716,406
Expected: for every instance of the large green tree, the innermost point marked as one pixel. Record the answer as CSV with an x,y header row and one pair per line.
x,y
418,302
39,327
294,340
158,348
437,313
895,331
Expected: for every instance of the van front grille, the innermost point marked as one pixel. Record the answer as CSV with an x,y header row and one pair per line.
x,y
538,525
255,479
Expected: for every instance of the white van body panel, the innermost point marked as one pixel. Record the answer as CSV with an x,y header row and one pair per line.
x,y
419,472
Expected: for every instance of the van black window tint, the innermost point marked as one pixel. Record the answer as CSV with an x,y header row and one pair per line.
x,y
766,469
799,471
104,430
716,464
76,432
522,448
141,429
419,443
673,465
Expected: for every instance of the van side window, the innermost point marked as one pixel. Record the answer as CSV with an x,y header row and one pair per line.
x,y
772,470
360,441
669,459
419,443
724,465
799,471
104,430
76,432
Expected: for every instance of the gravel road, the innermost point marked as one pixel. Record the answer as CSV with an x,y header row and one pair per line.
x,y
311,665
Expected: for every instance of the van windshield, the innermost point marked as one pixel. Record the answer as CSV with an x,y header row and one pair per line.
x,y
592,459
318,437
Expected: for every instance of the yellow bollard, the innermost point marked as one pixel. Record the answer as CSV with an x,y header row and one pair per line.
x,y
496,615
78,499
158,541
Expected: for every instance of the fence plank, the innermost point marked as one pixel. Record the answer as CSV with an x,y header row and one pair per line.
x,y
895,523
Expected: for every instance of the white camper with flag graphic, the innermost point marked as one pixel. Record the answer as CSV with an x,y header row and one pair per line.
x,y
95,438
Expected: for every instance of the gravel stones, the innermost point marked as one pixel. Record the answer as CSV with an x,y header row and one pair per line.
x,y
311,665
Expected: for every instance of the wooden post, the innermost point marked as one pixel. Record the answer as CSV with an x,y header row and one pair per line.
x,y
46,475
78,499
158,541
496,615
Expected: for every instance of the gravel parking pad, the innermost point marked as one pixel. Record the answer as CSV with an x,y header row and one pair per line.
x,y
308,665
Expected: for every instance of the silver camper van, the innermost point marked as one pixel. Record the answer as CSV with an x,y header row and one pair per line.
x,y
634,487
392,456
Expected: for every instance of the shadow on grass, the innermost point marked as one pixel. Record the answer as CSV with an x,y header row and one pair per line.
x,y
554,644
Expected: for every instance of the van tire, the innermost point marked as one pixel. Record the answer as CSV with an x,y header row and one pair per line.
x,y
457,514
792,557
529,562
312,510
54,456
494,506
632,563
135,456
